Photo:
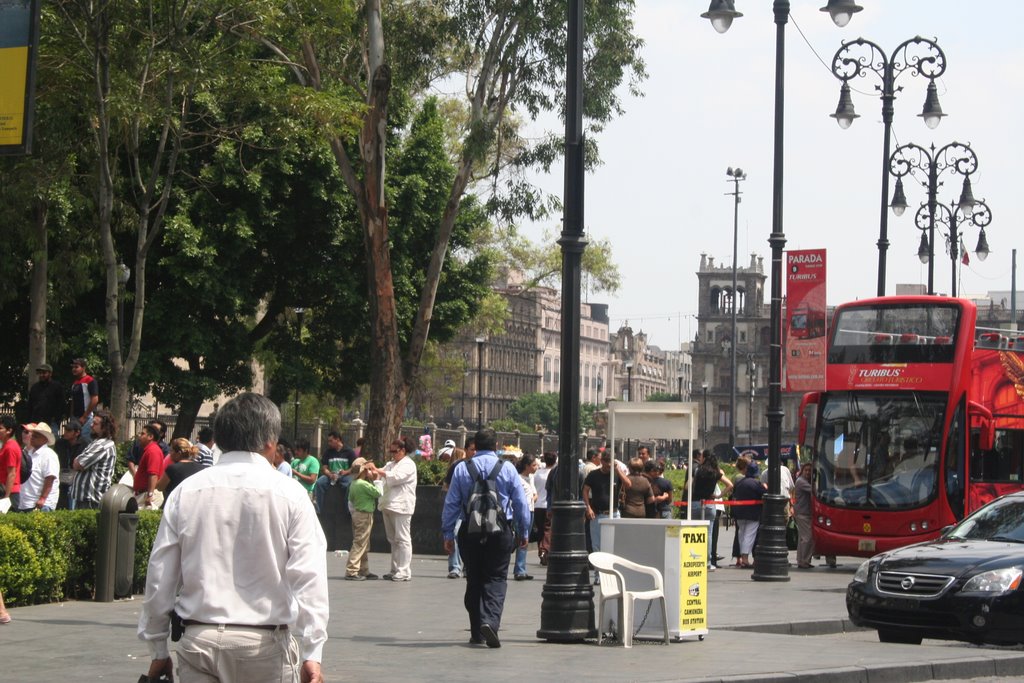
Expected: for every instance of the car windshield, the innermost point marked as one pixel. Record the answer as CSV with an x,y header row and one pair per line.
x,y
1001,520
879,450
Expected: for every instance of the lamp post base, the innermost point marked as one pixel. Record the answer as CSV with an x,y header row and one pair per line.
x,y
771,561
567,600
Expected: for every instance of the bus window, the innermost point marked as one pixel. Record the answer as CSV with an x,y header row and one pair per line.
x,y
955,463
1001,464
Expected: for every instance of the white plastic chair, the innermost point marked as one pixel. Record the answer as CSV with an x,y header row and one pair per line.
x,y
613,585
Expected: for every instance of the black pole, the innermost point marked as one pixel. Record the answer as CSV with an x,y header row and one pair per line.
x,y
933,190
299,313
883,221
736,177
705,387
954,247
771,562
479,383
567,606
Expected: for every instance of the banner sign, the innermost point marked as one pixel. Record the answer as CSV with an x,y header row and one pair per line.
x,y
804,336
19,33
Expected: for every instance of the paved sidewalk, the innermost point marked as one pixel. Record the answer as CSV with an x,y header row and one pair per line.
x,y
417,631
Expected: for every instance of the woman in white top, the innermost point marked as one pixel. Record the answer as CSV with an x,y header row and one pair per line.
x,y
526,466
396,506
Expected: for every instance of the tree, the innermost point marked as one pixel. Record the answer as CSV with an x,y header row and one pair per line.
x,y
512,54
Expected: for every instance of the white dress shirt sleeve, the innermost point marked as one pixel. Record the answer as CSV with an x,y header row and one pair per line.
x,y
306,573
163,580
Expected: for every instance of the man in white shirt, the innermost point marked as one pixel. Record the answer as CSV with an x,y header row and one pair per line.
x,y
40,490
241,558
396,506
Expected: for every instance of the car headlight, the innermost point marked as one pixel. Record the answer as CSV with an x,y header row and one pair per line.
x,y
861,575
995,581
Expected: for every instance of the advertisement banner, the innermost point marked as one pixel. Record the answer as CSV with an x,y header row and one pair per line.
x,y
693,578
19,25
804,330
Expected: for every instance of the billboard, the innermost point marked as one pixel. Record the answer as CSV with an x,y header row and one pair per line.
x,y
19,31
804,333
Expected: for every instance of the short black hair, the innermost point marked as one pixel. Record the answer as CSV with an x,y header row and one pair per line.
x,y
335,434
205,435
486,440
152,430
303,443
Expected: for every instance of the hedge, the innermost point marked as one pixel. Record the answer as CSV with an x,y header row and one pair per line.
x,y
48,556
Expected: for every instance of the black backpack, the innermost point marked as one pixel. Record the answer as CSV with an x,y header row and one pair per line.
x,y
484,515
26,465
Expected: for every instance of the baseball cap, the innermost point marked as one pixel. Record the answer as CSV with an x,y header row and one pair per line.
x,y
44,367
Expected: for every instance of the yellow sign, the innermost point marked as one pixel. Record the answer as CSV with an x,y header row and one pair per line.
x,y
693,577
18,19
13,72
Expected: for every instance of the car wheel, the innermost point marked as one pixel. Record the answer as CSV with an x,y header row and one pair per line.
x,y
885,636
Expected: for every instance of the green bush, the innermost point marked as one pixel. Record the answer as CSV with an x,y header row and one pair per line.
x,y
48,556
430,472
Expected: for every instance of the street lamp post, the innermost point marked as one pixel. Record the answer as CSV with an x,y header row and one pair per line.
x,y
736,176
856,58
752,373
567,605
299,314
952,215
629,380
465,374
908,159
679,387
480,382
704,386
771,563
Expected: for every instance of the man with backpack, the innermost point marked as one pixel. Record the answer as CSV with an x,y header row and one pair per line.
x,y
487,496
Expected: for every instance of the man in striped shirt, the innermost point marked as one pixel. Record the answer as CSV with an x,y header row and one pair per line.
x,y
94,468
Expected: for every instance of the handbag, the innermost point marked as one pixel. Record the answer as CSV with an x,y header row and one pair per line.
x,y
792,535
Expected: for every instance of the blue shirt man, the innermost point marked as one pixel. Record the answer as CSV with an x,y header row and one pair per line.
x,y
486,563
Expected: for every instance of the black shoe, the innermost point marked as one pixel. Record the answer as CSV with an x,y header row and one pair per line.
x,y
370,577
490,636
355,577
523,577
476,641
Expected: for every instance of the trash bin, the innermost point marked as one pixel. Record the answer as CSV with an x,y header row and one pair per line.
x,y
115,534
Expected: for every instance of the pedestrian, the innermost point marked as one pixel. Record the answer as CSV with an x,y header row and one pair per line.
x,y
454,559
541,519
149,469
639,494
335,470
205,446
40,491
527,467
748,517
486,561
236,604
94,467
305,467
282,459
184,463
47,401
708,477
662,490
10,462
68,447
85,396
802,514
362,498
397,505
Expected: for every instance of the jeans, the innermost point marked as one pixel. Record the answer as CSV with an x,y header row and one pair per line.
x,y
708,513
320,491
520,568
595,529
86,430
455,560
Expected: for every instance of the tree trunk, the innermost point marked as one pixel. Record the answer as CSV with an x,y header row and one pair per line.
x,y
37,293
187,413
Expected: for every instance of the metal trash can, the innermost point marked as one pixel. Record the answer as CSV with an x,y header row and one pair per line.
x,y
115,535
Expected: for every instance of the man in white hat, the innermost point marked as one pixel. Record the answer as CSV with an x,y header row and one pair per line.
x,y
445,454
40,491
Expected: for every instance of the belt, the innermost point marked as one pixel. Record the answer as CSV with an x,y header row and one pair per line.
x,y
261,627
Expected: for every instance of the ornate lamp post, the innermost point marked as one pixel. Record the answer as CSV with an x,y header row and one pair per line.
x,y
771,562
752,375
858,58
735,176
567,606
704,386
911,159
952,216
629,380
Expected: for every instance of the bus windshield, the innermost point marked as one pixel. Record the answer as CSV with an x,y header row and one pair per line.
x,y
879,450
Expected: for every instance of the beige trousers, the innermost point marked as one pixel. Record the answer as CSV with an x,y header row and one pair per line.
x,y
358,556
234,654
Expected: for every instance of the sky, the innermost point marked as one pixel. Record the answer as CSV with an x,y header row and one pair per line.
x,y
660,195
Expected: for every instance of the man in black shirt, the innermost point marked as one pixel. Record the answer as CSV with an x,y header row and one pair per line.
x,y
68,447
600,495
46,399
662,506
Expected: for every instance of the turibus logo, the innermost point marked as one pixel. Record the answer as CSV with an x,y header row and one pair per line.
x,y
887,373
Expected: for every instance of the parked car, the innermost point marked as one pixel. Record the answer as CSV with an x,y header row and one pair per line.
x,y
965,585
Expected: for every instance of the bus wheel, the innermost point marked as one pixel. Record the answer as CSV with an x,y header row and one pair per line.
x,y
886,636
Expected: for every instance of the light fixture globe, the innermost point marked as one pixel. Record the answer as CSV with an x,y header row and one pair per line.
x,y
932,111
841,11
721,13
982,249
923,251
845,113
899,199
967,200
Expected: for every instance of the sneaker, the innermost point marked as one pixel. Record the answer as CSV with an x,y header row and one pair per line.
x,y
388,576
400,579
712,567
454,575
489,635
355,577
370,576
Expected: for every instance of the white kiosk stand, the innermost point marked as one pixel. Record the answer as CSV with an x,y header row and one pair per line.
x,y
678,548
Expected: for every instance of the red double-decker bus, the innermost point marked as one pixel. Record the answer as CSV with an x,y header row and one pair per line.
x,y
921,422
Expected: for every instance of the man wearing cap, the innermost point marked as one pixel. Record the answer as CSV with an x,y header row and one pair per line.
x,y
46,398
68,447
445,454
40,490
85,395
